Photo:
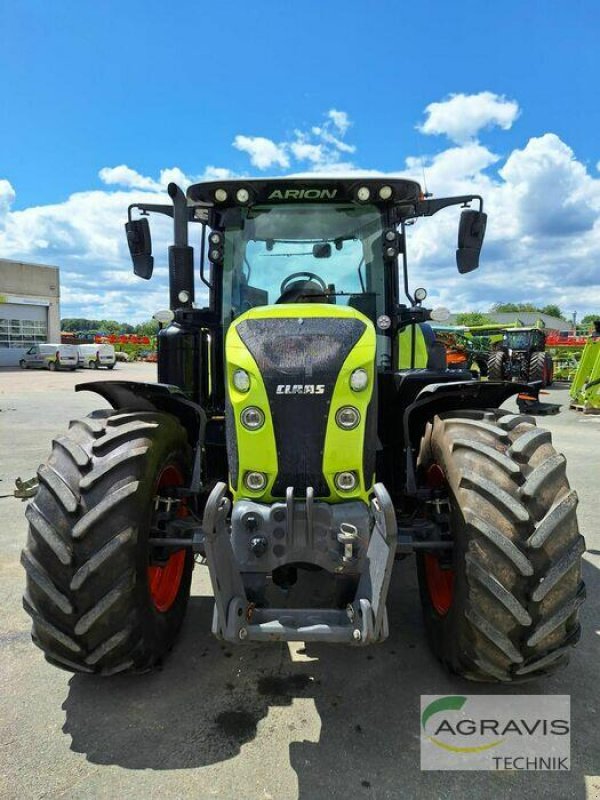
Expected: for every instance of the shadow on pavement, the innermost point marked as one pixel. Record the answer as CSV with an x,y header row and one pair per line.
x,y
209,698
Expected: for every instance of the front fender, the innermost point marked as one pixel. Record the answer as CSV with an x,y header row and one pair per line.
x,y
135,396
436,398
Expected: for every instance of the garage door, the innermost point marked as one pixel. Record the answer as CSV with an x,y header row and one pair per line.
x,y
21,326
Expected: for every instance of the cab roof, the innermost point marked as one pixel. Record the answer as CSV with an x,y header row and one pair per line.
x,y
268,191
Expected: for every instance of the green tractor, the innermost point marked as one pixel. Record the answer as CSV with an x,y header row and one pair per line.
x,y
304,435
522,354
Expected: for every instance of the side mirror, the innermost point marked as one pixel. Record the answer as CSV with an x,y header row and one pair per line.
x,y
322,250
139,242
471,231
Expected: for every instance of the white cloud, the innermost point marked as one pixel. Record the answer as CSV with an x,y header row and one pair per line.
x,y
340,119
264,153
7,198
542,243
462,116
304,151
125,176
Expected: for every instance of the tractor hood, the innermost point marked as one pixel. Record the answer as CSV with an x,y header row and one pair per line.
x,y
292,415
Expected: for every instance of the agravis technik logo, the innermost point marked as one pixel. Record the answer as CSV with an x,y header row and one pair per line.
x,y
495,732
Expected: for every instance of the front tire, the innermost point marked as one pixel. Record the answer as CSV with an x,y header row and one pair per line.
x,y
97,603
496,366
506,606
538,368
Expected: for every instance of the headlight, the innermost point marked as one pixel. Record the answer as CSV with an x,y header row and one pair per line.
x,y
347,417
241,380
359,379
252,418
363,194
220,195
385,192
242,196
255,481
345,481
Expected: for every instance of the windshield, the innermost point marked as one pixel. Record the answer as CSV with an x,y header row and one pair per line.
x,y
304,253
519,340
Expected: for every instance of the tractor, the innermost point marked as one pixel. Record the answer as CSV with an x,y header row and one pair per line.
x,y
522,354
304,435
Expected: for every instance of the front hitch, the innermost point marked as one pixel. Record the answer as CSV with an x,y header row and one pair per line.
x,y
362,622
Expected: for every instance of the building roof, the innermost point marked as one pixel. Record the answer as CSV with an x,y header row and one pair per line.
x,y
524,318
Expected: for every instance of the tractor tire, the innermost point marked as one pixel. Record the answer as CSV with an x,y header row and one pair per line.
x,y
496,366
538,368
96,603
505,606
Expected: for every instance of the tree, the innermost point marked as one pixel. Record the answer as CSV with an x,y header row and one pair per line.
x,y
473,318
509,308
149,328
589,319
552,311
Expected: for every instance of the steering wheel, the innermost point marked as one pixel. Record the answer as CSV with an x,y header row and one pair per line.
x,y
295,289
312,276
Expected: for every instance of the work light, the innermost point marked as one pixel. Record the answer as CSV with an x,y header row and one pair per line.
x,y
363,194
220,195
385,192
241,380
359,379
347,417
252,418
345,481
242,195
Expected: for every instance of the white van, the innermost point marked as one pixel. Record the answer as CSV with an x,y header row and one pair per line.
x,y
50,356
94,356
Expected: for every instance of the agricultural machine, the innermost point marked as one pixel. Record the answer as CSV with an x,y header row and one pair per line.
x,y
463,351
304,435
522,355
585,387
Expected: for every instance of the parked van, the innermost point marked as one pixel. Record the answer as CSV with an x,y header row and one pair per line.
x,y
94,356
50,356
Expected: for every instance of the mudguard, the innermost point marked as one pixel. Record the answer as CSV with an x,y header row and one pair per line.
x,y
135,396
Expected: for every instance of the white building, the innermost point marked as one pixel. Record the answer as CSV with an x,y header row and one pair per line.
x,y
29,308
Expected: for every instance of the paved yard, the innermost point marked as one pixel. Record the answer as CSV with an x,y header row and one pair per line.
x,y
256,721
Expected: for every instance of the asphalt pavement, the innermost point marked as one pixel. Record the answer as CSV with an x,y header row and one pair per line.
x,y
257,722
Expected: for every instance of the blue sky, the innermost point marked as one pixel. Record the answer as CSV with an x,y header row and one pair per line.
x,y
87,87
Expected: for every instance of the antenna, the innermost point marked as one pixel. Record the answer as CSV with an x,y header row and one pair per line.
x,y
425,193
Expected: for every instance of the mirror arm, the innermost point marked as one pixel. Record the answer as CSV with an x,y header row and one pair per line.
x,y
146,207
427,208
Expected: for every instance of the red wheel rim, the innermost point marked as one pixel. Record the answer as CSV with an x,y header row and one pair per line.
x,y
440,584
440,581
164,581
